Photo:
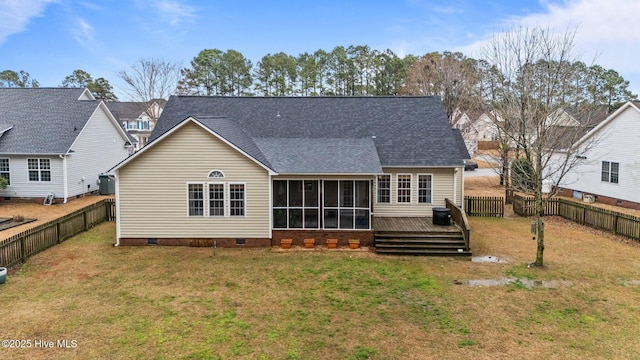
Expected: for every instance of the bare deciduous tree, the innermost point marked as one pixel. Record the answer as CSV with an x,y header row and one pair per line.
x,y
537,84
150,80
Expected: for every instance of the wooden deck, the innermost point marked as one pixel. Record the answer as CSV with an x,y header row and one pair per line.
x,y
417,236
410,225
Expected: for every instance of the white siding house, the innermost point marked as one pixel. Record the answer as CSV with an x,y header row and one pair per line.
x,y
58,141
609,166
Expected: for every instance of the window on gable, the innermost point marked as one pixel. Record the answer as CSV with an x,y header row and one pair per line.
x,y
39,169
4,170
424,189
216,174
404,188
384,189
610,172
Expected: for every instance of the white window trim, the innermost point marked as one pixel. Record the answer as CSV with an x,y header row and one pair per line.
x,y
215,177
204,199
610,172
411,189
418,188
39,170
390,189
228,199
9,169
224,200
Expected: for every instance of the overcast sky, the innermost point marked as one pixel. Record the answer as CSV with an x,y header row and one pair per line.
x,y
51,38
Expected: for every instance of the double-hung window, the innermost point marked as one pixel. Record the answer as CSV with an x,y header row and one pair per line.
x,y
236,200
39,169
404,188
384,189
216,199
610,172
424,188
4,170
195,199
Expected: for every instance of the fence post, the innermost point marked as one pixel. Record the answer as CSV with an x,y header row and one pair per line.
x,y
23,250
58,232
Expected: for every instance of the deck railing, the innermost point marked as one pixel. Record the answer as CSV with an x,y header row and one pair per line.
x,y
460,218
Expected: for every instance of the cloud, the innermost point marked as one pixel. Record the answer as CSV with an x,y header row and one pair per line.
x,y
173,12
83,33
607,32
16,14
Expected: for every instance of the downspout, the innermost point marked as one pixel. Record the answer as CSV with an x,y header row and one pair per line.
x,y
455,185
462,190
271,208
65,181
118,232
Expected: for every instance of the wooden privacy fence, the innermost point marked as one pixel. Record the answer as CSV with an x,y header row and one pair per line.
x,y
20,247
583,214
526,206
486,206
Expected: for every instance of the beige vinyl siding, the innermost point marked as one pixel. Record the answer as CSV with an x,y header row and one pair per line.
x,y
153,189
442,187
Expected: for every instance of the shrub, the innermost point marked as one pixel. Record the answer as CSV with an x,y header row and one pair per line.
x,y
522,174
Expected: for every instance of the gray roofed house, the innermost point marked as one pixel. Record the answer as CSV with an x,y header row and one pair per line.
x,y
259,169
137,118
56,141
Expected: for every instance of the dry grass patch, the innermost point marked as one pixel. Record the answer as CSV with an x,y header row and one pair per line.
x,y
179,302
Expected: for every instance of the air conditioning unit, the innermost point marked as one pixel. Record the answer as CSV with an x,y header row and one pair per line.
x,y
588,198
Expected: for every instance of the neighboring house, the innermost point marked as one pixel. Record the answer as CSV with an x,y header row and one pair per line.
x,y
56,141
252,170
474,125
137,118
609,169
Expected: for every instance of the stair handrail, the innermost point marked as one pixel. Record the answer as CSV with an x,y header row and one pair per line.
x,y
459,216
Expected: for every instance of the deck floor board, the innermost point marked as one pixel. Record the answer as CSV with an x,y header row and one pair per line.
x,y
410,224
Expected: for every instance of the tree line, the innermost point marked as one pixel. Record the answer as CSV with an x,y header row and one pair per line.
x,y
461,82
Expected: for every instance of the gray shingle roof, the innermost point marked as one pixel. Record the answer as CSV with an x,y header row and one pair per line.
x,y
126,110
464,152
321,156
406,131
45,120
231,132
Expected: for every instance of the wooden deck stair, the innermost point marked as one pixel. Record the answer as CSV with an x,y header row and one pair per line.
x,y
418,236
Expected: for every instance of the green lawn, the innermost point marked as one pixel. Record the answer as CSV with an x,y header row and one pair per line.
x,y
201,303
